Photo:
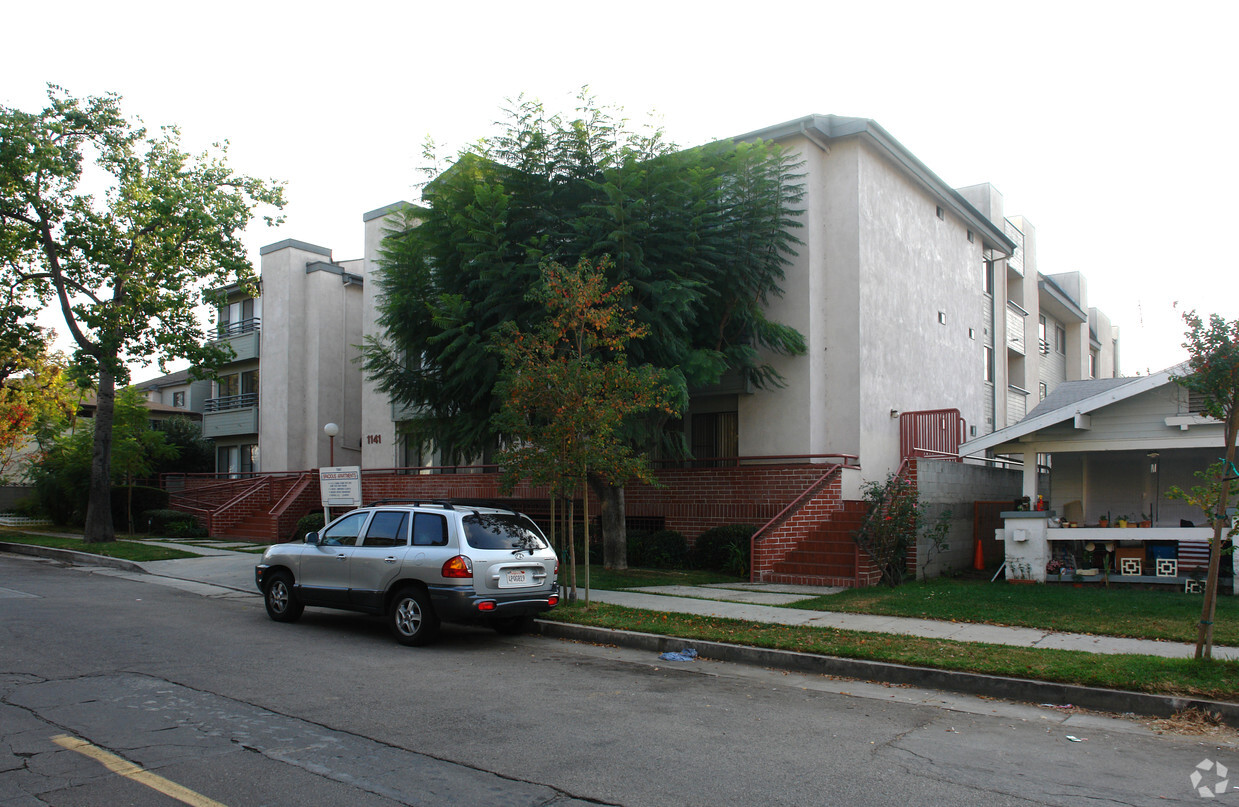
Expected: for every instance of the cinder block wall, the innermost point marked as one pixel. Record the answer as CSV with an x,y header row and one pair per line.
x,y
956,486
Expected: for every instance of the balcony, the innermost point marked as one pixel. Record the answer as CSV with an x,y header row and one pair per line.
x,y
1016,262
242,336
1016,341
1017,404
230,415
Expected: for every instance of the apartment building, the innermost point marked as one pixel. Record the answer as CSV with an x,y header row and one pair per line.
x,y
911,296
293,342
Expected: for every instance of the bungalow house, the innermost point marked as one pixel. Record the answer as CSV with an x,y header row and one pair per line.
x,y
1104,452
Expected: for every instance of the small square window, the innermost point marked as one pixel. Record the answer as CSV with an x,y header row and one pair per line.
x,y
972,239
972,333
942,318
941,213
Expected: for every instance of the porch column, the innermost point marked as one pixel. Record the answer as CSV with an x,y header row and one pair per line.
x,y
1030,475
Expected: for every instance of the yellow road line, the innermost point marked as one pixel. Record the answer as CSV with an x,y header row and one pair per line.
x,y
125,768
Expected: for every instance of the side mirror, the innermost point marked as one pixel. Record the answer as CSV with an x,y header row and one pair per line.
x,y
311,538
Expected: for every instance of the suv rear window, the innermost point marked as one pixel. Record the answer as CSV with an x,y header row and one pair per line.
x,y
501,531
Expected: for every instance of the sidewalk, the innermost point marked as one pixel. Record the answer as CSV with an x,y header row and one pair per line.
x,y
220,566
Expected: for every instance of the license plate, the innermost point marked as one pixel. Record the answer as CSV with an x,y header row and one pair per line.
x,y
513,578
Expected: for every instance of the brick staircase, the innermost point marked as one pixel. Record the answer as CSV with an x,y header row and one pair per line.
x,y
263,510
827,555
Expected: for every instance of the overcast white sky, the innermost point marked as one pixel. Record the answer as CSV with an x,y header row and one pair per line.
x,y
1110,126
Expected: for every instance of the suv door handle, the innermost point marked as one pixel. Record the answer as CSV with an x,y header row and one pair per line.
x,y
341,556
389,559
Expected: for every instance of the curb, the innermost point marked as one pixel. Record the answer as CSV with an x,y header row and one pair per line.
x,y
1016,689
71,556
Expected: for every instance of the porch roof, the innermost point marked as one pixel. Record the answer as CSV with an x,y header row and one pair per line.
x,y
1072,401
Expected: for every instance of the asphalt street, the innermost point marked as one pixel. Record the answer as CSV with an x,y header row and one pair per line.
x,y
204,692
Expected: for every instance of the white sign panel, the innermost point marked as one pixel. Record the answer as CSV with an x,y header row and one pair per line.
x,y
340,486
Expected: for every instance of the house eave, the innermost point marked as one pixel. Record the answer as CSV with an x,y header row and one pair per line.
x,y
825,129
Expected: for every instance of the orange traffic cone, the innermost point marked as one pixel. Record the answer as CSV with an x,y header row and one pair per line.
x,y
978,557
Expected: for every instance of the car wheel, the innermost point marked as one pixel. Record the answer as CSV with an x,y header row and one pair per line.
x,y
512,626
281,600
412,620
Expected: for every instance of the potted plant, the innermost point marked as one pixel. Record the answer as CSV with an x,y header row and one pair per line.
x,y
1122,522
1146,521
1104,521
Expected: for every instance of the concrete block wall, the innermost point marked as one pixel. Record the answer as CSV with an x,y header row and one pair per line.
x,y
956,486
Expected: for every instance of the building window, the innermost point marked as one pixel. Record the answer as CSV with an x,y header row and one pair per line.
x,y
972,333
989,364
1060,340
988,277
1043,343
716,436
1042,390
972,239
227,386
1092,364
178,400
942,318
241,316
236,461
941,213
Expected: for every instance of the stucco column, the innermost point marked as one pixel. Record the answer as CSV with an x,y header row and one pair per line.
x,y
1030,475
1025,540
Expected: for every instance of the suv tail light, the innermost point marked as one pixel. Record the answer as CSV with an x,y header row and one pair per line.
x,y
459,566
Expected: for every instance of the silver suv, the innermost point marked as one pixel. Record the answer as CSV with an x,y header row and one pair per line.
x,y
417,563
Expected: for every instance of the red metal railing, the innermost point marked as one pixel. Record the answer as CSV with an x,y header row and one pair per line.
x,y
934,433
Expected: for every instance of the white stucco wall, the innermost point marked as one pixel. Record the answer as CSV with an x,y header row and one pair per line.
x,y
379,442
793,419
920,293
312,325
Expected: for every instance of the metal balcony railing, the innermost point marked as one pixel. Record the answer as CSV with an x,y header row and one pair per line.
x,y
227,329
1015,327
226,402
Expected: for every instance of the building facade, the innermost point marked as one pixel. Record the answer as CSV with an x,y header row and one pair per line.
x,y
911,296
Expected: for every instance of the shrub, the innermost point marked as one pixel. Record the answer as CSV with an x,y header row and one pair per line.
x,y
28,506
143,499
311,522
160,521
725,549
665,549
189,528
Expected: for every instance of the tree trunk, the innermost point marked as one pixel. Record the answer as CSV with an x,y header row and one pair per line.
x,y
1204,635
611,518
99,506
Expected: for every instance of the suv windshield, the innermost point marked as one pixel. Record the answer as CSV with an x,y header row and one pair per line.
x,y
501,531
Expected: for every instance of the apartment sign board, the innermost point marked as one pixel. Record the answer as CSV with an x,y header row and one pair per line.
x,y
340,486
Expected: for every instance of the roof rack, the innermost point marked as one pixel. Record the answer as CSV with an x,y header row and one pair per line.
x,y
444,503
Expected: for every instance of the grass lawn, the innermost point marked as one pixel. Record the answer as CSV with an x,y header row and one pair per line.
x,y
607,580
1166,614
126,550
1218,680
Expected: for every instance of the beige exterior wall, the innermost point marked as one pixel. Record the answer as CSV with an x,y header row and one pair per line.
x,y
312,325
888,294
380,444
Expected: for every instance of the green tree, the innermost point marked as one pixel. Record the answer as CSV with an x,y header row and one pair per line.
x,y
39,399
567,389
701,236
137,447
128,263
1213,365
195,453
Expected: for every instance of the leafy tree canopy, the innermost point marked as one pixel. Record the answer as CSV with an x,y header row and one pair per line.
x,y
124,230
1213,373
700,236
39,400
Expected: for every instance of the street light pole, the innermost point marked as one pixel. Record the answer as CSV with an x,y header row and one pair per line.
x,y
331,430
